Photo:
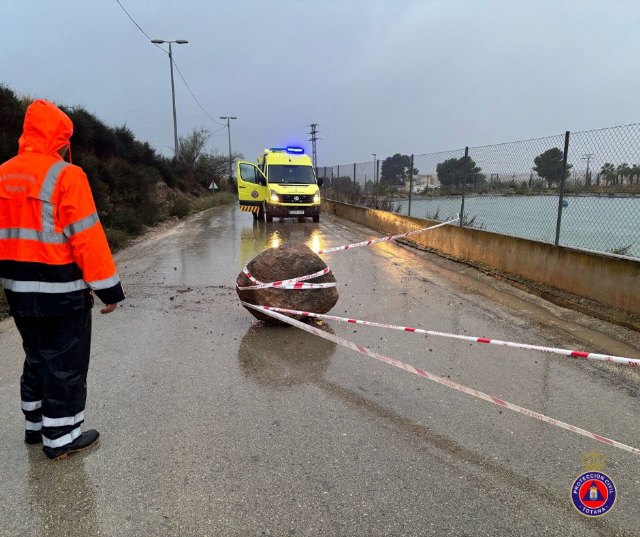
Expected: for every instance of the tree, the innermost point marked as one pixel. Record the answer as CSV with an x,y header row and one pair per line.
x,y
395,169
215,167
192,146
548,165
11,118
623,170
456,171
608,172
342,184
200,165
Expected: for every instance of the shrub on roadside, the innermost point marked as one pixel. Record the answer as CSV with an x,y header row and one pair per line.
x,y
126,219
180,207
117,238
4,307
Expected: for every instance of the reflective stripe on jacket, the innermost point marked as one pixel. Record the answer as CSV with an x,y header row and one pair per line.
x,y
52,245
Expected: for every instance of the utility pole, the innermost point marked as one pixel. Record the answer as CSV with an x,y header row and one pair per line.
x,y
588,158
313,141
228,118
173,89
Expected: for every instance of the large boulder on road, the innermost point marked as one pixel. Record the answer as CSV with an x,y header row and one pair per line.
x,y
290,260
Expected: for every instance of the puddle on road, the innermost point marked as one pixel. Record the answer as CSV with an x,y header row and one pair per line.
x,y
277,357
276,234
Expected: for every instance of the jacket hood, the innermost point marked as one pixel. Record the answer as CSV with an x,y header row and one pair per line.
x,y
46,129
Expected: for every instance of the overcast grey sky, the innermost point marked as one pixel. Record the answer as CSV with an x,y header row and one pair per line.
x,y
377,76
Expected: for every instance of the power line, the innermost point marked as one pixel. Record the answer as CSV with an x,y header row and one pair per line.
x,y
173,61
192,95
218,130
138,26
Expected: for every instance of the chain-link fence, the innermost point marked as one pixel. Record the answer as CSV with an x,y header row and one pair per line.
x,y
588,200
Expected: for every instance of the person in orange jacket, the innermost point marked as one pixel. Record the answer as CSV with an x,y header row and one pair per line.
x,y
53,257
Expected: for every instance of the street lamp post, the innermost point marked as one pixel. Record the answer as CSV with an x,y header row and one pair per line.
x,y
228,118
375,175
173,91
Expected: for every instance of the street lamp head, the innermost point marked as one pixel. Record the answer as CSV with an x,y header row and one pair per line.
x,y
160,41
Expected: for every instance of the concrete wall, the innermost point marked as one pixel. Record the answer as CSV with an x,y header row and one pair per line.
x,y
609,280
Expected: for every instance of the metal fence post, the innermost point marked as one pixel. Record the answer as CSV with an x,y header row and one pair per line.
x,y
562,179
464,180
324,180
337,195
355,183
410,185
332,185
377,182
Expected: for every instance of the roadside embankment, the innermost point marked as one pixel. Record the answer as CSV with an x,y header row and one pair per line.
x,y
605,286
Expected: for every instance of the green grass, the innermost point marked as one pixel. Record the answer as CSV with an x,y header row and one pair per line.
x,y
182,207
212,200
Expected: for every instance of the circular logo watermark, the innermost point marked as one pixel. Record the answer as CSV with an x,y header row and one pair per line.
x,y
593,494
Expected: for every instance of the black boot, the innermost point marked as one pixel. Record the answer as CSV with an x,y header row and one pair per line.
x,y
86,440
32,437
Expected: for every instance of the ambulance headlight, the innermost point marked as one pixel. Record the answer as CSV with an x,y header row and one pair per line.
x,y
316,198
274,196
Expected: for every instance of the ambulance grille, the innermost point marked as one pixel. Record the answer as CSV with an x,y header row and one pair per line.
x,y
302,198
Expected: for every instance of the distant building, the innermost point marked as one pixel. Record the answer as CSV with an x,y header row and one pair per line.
x,y
420,182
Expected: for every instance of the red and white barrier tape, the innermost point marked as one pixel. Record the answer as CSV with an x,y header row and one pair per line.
x,y
383,239
293,283
633,362
441,380
296,283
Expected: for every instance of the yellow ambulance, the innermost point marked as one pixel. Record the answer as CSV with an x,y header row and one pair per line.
x,y
282,185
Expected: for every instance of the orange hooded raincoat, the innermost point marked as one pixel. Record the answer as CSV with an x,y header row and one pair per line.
x,y
53,249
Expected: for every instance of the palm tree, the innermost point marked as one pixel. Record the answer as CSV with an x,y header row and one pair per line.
x,y
623,171
635,171
608,171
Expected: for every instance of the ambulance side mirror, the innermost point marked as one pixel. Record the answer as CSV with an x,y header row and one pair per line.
x,y
320,181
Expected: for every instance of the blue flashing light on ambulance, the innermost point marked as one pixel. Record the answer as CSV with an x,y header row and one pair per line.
x,y
282,185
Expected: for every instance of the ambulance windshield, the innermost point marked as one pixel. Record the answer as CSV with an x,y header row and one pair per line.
x,y
285,174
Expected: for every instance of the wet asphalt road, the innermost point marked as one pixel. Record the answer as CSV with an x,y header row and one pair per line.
x,y
215,424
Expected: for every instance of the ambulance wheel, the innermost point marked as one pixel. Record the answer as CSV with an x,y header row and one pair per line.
x,y
256,215
316,218
268,217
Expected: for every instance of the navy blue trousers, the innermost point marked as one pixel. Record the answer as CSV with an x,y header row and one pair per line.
x,y
53,386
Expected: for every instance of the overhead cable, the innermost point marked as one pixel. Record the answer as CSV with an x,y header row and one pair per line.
x,y
174,63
